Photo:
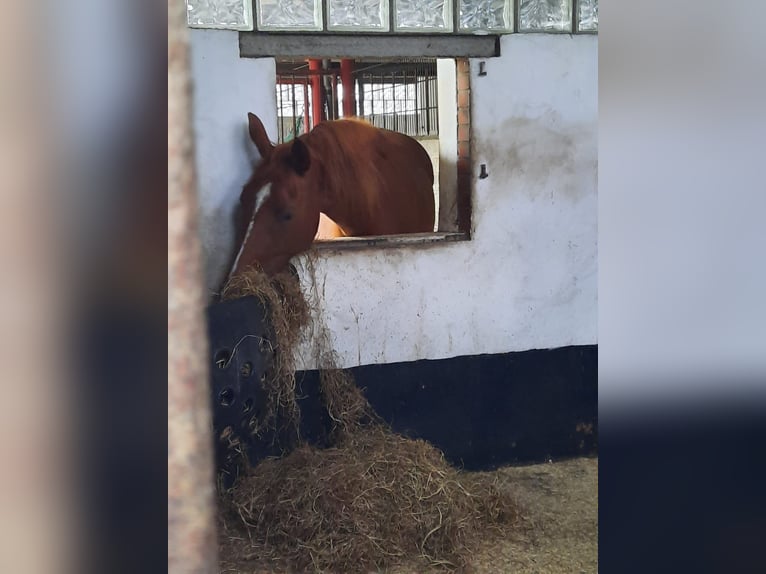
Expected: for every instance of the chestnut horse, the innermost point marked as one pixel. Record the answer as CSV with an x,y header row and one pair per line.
x,y
366,180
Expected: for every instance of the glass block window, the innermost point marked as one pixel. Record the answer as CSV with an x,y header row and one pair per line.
x,y
289,14
362,15
220,14
587,15
396,16
486,15
545,15
423,15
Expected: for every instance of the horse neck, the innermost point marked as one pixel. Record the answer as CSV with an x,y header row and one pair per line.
x,y
348,210
345,180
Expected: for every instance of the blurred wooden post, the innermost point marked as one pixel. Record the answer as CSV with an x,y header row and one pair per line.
x,y
191,526
37,496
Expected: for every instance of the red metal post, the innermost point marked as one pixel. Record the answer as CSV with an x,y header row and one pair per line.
x,y
315,67
306,112
334,99
347,81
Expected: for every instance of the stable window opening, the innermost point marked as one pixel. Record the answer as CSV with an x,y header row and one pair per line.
x,y
427,99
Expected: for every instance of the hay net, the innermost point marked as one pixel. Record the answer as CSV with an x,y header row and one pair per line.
x,y
371,499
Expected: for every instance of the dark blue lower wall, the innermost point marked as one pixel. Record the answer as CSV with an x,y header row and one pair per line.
x,y
484,410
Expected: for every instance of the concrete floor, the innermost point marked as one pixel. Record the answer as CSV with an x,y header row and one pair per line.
x,y
560,504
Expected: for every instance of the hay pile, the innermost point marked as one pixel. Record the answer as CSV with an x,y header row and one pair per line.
x,y
372,500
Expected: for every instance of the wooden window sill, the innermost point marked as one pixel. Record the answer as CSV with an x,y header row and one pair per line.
x,y
389,241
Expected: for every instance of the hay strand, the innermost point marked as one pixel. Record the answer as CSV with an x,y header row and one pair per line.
x,y
289,313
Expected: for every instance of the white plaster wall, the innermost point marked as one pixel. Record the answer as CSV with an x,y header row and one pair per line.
x,y
226,87
527,279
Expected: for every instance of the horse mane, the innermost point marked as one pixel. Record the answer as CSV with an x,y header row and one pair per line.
x,y
346,162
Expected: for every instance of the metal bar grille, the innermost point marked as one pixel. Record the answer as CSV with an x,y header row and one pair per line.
x,y
396,95
399,96
293,104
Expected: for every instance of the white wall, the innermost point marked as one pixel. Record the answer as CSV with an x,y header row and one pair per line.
x,y
226,87
527,279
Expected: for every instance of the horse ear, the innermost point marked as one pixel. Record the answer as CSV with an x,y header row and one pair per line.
x,y
258,135
300,159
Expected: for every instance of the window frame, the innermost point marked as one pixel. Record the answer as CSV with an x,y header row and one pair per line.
x,y
456,210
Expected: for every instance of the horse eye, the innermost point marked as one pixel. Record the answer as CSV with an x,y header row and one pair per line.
x,y
286,216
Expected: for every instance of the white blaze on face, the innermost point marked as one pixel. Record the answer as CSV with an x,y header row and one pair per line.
x,y
260,198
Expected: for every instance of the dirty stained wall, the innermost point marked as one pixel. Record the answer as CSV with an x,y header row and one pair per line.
x,y
226,87
527,278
